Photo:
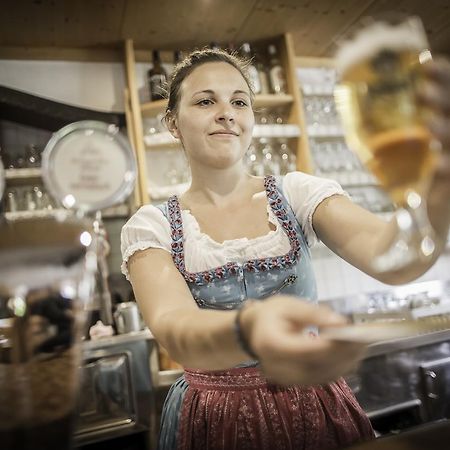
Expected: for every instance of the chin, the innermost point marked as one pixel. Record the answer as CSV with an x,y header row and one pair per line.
x,y
223,160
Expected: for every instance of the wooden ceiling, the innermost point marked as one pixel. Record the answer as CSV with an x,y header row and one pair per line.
x,y
174,24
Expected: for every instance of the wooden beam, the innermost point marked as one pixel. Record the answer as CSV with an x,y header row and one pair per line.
x,y
304,162
62,54
132,139
138,134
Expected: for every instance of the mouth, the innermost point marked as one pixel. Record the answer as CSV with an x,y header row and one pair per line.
x,y
224,133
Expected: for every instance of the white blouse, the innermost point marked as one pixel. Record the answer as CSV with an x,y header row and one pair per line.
x,y
149,228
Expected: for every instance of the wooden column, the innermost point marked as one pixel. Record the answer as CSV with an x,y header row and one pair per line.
x,y
297,114
136,122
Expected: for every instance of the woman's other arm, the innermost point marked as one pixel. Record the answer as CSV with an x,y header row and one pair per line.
x,y
357,235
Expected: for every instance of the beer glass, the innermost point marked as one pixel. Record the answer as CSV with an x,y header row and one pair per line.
x,y
379,71
46,280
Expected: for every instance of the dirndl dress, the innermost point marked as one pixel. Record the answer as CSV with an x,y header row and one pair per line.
x,y
238,409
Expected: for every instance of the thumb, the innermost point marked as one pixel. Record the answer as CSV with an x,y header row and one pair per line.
x,y
304,312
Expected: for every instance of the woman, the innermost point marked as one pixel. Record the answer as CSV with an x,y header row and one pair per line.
x,y
233,238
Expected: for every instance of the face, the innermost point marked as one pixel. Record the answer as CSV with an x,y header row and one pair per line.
x,y
214,120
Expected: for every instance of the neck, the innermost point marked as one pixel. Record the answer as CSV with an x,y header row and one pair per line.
x,y
218,186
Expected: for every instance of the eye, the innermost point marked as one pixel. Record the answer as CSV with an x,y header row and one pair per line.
x,y
240,103
204,102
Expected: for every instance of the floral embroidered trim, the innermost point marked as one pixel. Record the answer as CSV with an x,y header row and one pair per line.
x,y
232,268
240,377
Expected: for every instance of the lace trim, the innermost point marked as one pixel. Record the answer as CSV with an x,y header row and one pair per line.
x,y
232,243
132,249
232,268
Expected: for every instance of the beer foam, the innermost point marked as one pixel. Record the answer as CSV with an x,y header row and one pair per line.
x,y
409,35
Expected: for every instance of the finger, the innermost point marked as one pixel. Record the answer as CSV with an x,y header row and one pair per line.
x,y
441,177
439,70
303,348
435,97
440,128
442,171
306,313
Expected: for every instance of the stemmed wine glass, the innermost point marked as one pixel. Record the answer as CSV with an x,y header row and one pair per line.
x,y
379,71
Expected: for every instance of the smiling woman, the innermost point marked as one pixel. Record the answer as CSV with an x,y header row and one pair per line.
x,y
229,238
212,115
215,124
224,280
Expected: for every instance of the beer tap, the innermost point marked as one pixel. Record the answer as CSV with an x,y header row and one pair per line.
x,y
102,248
2,190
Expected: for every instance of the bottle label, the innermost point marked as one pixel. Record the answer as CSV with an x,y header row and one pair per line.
x,y
277,80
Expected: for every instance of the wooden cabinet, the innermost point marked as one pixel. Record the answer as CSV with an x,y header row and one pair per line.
x,y
291,101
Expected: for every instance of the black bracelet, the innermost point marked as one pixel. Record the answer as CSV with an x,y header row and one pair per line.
x,y
240,335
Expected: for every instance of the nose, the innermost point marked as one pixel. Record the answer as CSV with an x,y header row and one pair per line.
x,y
225,115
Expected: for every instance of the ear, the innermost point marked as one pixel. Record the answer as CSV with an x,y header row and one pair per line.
x,y
171,122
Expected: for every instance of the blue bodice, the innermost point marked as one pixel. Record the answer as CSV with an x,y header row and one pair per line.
x,y
226,287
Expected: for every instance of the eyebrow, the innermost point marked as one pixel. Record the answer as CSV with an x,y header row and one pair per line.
x,y
210,91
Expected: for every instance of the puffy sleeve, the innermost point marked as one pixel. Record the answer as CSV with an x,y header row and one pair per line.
x,y
304,193
147,228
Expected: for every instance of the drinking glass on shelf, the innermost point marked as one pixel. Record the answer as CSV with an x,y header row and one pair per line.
x,y
379,70
287,159
33,156
11,202
150,126
258,165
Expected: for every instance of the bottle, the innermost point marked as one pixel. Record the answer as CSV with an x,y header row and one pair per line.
x,y
252,71
276,72
231,48
288,159
157,78
263,75
177,56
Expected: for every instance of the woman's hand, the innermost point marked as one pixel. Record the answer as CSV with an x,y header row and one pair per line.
x,y
435,95
276,330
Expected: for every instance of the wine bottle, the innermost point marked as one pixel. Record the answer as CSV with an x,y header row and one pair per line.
x,y
157,78
252,71
276,72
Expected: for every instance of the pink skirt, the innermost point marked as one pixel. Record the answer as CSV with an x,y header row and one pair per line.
x,y
238,409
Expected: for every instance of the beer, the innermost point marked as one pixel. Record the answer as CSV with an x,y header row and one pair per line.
x,y
401,160
384,124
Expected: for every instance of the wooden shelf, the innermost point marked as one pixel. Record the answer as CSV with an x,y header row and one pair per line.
x,y
113,212
37,213
161,140
164,140
273,101
151,109
23,174
156,107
